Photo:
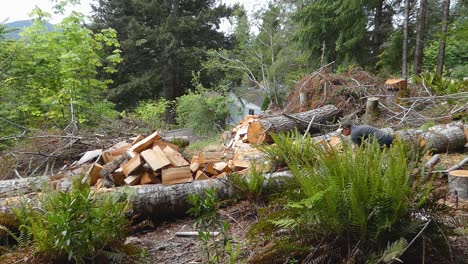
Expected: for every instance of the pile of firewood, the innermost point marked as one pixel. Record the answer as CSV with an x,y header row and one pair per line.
x,y
153,160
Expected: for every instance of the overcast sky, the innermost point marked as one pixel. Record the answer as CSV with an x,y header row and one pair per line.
x,y
20,9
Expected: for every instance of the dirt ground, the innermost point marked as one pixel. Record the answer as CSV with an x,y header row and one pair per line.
x,y
161,245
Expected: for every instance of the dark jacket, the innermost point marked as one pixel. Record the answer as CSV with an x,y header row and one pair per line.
x,y
363,132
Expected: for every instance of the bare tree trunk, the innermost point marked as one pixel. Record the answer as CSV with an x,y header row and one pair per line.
x,y
404,68
378,30
419,50
441,55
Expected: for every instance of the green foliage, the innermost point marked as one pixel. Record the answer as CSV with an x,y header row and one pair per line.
x,y
391,56
441,85
52,75
252,186
204,209
341,25
162,43
202,110
76,225
456,55
153,113
346,199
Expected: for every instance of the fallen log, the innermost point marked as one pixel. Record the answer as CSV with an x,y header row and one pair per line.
x,y
444,138
158,201
259,131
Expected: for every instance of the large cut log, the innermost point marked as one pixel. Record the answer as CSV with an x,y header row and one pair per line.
x,y
160,201
444,138
259,131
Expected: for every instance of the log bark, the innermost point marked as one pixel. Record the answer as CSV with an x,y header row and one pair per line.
x,y
444,138
260,131
158,201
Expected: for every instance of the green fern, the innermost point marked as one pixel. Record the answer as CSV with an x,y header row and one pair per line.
x,y
360,197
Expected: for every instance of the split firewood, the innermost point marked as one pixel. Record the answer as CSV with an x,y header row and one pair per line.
x,y
149,177
175,157
176,175
132,165
94,173
200,175
146,143
133,179
156,158
112,166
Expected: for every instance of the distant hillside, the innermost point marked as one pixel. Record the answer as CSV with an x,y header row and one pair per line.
x,y
18,27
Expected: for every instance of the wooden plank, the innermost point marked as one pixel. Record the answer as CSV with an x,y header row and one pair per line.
x,y
194,166
155,158
146,143
119,151
200,175
209,168
163,144
194,159
220,166
175,157
137,139
176,175
239,164
94,173
205,157
89,155
133,180
149,177
132,165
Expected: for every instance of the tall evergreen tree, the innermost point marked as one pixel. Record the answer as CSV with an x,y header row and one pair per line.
x,y
419,49
445,22
163,41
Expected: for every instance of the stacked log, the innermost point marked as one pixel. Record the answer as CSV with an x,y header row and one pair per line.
x,y
259,131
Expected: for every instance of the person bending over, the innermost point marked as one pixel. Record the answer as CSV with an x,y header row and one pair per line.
x,y
360,133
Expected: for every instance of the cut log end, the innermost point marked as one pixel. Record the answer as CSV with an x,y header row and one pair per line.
x,y
256,133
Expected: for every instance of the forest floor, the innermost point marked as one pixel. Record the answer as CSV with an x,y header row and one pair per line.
x,y
158,243
161,245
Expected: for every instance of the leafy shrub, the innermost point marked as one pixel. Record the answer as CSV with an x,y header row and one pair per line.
x,y
153,113
202,110
76,225
351,205
440,85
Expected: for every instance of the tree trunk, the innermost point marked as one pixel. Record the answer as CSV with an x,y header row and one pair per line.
x,y
419,49
378,30
160,201
458,184
259,131
441,54
444,138
404,68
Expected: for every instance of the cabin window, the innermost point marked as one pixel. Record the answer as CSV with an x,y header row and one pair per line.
x,y
251,112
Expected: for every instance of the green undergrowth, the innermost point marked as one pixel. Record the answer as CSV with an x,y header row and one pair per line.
x,y
78,226
354,205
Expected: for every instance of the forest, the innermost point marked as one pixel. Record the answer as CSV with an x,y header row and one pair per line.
x,y
115,133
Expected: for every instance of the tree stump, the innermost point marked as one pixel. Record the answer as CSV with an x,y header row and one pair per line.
x,y
303,101
372,109
458,184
